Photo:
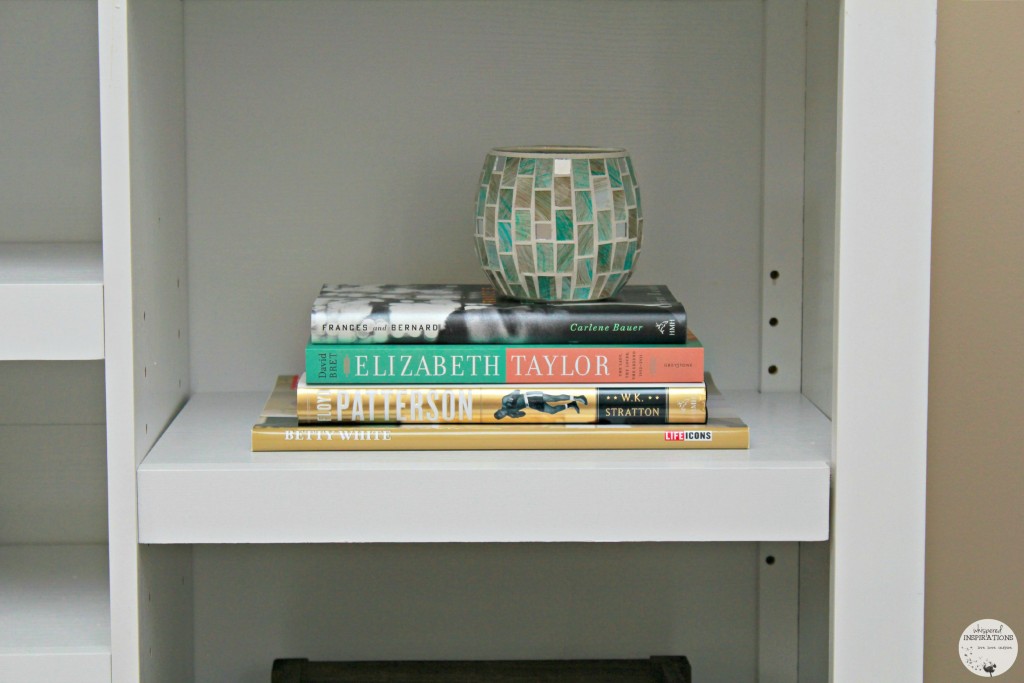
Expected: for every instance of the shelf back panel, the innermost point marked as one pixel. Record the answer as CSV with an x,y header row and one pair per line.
x,y
343,142
50,149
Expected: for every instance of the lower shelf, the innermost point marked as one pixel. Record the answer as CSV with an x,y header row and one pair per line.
x,y
55,621
59,283
202,484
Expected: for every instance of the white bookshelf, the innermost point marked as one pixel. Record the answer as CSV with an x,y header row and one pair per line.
x,y
55,598
253,149
51,299
55,621
776,491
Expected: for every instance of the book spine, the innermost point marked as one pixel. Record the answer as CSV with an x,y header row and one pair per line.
x,y
496,364
466,404
729,435
640,326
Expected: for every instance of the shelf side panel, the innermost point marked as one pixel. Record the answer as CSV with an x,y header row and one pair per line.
x,y
144,242
819,248
883,275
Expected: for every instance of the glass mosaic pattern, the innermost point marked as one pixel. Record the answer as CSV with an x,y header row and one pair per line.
x,y
558,225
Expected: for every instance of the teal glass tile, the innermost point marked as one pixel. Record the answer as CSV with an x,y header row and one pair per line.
x,y
630,257
604,226
524,226
599,285
630,195
519,292
566,257
584,271
581,294
524,257
542,204
629,165
584,206
636,191
524,192
602,194
499,165
604,258
526,166
511,172
619,259
489,221
543,173
614,284
639,229
504,237
545,257
480,226
492,253
508,266
481,200
585,239
485,174
563,191
621,231
565,290
531,286
492,189
505,204
580,174
632,224
597,167
546,287
481,250
619,204
543,231
563,224
614,177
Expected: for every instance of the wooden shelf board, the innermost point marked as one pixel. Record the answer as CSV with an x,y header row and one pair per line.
x,y
55,621
202,484
51,301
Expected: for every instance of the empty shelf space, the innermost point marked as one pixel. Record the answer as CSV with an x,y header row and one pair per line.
x,y
51,301
55,621
202,484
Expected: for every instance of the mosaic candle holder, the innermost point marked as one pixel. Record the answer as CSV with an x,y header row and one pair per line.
x,y
558,223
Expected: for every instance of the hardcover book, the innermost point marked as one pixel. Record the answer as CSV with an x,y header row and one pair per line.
x,y
500,403
475,314
504,364
278,429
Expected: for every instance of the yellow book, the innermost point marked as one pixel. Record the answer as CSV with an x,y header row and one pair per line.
x,y
279,430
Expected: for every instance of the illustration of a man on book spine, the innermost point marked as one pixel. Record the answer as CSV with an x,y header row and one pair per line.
x,y
512,404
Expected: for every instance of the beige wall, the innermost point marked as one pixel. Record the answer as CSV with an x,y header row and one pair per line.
x,y
975,553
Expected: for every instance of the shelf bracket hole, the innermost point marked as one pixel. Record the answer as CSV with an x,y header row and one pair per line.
x,y
774,275
773,369
769,560
773,321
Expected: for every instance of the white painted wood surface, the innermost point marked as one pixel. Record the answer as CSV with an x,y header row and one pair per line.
x,y
51,301
201,484
54,614
881,384
334,141
782,219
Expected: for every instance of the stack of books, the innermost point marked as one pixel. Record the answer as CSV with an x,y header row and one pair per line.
x,y
452,367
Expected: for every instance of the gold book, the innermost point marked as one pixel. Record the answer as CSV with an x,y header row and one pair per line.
x,y
279,430
500,404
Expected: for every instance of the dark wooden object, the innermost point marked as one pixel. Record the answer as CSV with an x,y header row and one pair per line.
x,y
653,670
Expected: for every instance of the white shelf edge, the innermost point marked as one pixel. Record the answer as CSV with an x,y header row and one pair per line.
x,y
55,622
51,301
201,484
